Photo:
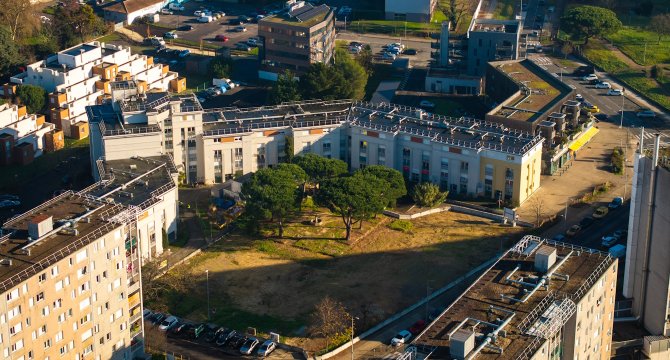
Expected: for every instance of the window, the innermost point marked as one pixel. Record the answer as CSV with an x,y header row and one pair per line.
x,y
464,167
58,337
15,329
12,295
39,297
17,346
14,312
47,344
42,277
59,285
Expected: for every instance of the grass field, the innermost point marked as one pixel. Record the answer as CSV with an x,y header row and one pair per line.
x,y
642,46
273,284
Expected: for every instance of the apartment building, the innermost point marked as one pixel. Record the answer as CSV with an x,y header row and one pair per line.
x,y
81,76
647,272
26,131
492,40
295,39
463,155
71,282
541,300
403,10
126,11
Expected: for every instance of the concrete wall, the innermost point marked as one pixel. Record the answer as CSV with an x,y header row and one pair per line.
x,y
126,146
418,10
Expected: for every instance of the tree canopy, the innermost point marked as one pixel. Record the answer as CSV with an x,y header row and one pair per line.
x,y
428,195
285,89
585,22
660,24
33,97
9,53
220,67
393,177
18,16
354,75
355,198
319,168
272,194
75,22
344,79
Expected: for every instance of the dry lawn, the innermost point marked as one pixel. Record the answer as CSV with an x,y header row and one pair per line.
x,y
276,283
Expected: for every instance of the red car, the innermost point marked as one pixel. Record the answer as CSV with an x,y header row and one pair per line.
x,y
222,38
417,327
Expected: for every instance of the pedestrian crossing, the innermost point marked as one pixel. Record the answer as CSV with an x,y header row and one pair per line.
x,y
649,139
542,60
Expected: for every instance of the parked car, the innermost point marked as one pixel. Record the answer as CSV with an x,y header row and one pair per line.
x,y
590,77
184,53
176,7
205,19
418,327
608,241
168,323
388,56
600,212
171,35
586,222
225,336
603,85
646,113
222,38
248,346
615,92
213,335
185,28
401,338
195,331
12,197
579,97
409,52
157,318
236,341
266,348
252,42
559,237
9,203
427,104
180,329
615,203
197,13
620,233
590,108
240,29
618,251
146,313
166,12
573,230
243,47
601,117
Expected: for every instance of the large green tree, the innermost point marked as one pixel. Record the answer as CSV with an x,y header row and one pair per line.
x,y
319,168
75,23
285,89
321,82
9,53
428,195
585,22
33,97
393,177
355,198
354,75
271,194
221,67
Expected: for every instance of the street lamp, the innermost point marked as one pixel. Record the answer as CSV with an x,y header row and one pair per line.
x,y
208,312
352,335
623,104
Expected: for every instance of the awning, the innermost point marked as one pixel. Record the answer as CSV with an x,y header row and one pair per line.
x,y
583,139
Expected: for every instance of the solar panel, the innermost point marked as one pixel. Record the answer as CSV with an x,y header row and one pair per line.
x,y
300,10
321,9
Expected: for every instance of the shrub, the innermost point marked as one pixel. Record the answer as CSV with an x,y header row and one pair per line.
x,y
428,195
401,225
617,161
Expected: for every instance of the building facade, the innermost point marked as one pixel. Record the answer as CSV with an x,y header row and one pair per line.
x,y
465,156
492,40
81,76
20,128
541,300
295,39
647,273
126,11
71,282
403,10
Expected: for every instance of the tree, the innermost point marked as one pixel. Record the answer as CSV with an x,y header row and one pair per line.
x,y
75,22
537,205
18,16
354,75
355,198
33,97
289,149
365,58
585,22
428,195
272,194
321,82
9,52
285,89
393,177
329,319
319,168
660,24
221,67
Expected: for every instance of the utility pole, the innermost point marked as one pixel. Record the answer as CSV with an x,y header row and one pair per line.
x,y
644,56
623,102
208,312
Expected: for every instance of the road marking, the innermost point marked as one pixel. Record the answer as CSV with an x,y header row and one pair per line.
x,y
543,60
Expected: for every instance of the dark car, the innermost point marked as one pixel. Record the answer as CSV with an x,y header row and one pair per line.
x,y
185,28
236,341
409,52
601,117
236,22
244,18
417,327
225,337
156,318
179,328
586,222
212,332
584,70
195,331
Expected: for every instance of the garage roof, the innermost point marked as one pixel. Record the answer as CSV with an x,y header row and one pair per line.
x,y
130,6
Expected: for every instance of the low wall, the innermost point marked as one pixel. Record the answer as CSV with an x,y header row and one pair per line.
x,y
486,215
404,312
400,216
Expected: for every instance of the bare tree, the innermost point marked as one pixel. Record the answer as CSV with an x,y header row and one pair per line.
x,y
537,205
154,283
18,15
661,25
155,339
329,319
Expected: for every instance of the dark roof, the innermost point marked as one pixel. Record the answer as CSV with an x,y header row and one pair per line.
x,y
130,6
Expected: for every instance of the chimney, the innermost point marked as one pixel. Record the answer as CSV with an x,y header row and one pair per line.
x,y
39,226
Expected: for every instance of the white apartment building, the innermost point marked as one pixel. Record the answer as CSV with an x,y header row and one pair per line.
x,y
541,300
463,155
81,76
24,127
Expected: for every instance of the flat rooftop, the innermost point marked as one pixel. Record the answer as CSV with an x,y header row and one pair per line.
x,y
495,300
17,264
136,181
53,63
539,90
462,132
493,25
111,122
305,16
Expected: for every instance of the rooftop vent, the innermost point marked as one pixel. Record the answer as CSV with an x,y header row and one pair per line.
x,y
68,231
461,343
40,225
545,258
6,262
133,167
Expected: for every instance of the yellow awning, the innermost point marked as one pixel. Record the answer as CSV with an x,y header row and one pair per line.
x,y
583,139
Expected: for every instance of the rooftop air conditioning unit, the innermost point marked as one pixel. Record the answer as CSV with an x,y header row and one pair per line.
x,y
6,262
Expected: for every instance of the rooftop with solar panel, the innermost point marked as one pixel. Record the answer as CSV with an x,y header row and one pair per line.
x,y
522,300
302,13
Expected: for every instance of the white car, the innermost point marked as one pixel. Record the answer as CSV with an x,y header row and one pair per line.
x,y
168,323
388,56
590,77
603,85
252,42
197,13
166,12
402,338
579,97
615,92
266,348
